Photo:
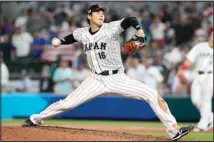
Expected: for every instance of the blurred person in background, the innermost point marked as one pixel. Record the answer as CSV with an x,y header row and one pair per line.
x,y
4,74
201,57
37,45
21,20
63,79
177,88
64,29
152,76
146,21
193,15
82,70
158,31
199,36
52,32
36,21
46,83
153,48
184,30
22,43
60,15
176,11
185,48
163,13
136,69
207,17
5,45
55,65
25,83
162,67
48,14
173,57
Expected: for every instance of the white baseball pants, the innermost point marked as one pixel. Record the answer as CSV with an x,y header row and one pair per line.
x,y
120,84
201,96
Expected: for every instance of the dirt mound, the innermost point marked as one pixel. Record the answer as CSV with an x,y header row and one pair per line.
x,y
49,133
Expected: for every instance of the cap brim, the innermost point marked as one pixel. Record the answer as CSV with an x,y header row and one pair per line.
x,y
105,9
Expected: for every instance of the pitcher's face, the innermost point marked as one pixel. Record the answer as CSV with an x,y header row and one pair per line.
x,y
97,18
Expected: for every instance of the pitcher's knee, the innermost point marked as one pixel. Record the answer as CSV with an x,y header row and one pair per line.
x,y
158,100
162,103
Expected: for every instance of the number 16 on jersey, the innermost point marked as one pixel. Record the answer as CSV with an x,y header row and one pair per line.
x,y
102,55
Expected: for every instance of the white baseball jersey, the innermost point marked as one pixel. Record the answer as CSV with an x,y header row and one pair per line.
x,y
202,56
102,48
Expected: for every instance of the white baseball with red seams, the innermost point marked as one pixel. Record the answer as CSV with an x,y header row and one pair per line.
x,y
103,54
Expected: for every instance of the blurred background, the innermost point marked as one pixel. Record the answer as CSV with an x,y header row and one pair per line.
x,y
30,64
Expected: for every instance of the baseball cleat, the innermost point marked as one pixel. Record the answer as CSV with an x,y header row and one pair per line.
x,y
28,123
182,132
209,126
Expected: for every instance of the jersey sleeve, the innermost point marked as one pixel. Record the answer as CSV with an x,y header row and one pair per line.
x,y
116,26
193,53
78,34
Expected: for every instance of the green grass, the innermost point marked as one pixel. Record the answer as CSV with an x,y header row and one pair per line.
x,y
58,122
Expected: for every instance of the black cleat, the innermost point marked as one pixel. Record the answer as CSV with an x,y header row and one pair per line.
x,y
182,132
28,123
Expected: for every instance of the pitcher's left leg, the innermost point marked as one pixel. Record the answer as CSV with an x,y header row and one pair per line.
x,y
128,87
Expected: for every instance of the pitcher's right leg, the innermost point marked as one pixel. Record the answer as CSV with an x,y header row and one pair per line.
x,y
89,89
128,87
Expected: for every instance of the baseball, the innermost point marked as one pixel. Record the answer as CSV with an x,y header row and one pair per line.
x,y
56,42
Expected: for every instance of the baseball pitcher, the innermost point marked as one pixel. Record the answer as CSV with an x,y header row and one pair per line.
x,y
201,56
102,47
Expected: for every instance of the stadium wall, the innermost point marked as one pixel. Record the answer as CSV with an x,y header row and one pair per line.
x,y
22,105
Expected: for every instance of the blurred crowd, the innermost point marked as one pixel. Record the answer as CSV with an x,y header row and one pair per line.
x,y
171,30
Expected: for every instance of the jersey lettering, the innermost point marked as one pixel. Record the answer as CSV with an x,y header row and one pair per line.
x,y
97,46
202,56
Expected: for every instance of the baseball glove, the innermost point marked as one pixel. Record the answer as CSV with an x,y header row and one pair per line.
x,y
135,44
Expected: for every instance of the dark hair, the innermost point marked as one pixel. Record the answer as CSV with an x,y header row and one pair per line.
x,y
95,8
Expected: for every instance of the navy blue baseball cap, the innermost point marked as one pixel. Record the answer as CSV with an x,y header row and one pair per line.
x,y
97,7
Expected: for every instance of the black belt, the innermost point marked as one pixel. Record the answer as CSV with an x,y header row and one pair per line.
x,y
105,73
203,72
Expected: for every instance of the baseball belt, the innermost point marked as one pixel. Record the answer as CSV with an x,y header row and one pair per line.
x,y
203,72
106,73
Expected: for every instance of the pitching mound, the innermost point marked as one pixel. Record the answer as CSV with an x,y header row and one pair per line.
x,y
49,133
